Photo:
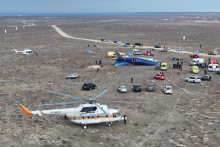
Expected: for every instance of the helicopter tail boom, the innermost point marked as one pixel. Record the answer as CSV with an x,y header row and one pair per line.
x,y
26,111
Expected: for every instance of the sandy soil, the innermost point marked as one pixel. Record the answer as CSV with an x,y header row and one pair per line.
x,y
189,117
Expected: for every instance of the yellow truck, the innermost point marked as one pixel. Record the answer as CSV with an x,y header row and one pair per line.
x,y
195,69
163,66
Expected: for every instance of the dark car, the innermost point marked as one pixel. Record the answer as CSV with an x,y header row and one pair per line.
x,y
137,87
138,44
206,78
88,86
151,87
157,46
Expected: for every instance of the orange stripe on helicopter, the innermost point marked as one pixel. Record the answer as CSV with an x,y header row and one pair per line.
x,y
90,117
26,111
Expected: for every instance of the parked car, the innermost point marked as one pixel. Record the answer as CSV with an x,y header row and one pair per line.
x,y
103,39
163,66
136,52
73,76
178,58
168,90
122,89
179,49
159,77
195,69
206,78
149,53
138,44
137,87
212,52
129,53
157,46
218,71
194,56
196,51
151,87
88,86
193,79
163,50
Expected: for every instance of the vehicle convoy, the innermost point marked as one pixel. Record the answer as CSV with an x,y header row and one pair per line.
x,y
213,67
195,69
168,90
206,78
159,77
151,87
88,86
195,56
163,66
73,76
193,79
197,61
122,89
137,87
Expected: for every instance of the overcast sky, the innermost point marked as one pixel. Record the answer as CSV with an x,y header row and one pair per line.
x,y
57,6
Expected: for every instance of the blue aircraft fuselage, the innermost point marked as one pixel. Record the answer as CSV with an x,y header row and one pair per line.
x,y
136,61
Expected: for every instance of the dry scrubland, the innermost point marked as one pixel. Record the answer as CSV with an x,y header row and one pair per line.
x,y
189,117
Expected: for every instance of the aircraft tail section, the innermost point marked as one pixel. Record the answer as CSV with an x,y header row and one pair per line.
x,y
119,57
16,51
120,61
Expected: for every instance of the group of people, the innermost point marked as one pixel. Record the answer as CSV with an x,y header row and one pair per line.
x,y
178,65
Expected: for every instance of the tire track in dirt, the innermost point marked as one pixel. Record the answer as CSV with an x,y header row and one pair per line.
x,y
166,118
62,33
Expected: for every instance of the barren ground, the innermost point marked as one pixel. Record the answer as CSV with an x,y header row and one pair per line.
x,y
188,117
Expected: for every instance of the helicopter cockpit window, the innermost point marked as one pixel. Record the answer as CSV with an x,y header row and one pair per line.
x,y
88,109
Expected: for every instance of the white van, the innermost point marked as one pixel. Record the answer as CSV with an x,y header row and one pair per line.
x,y
196,61
213,52
213,67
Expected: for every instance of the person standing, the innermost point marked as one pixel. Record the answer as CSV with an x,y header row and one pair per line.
x,y
178,72
205,72
132,80
125,119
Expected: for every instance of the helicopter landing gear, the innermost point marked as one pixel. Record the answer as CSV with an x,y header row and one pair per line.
x,y
85,127
109,124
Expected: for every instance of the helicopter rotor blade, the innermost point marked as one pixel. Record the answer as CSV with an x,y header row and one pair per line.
x,y
24,100
100,107
100,94
66,95
137,102
52,104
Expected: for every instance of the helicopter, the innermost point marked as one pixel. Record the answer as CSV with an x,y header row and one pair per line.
x,y
88,113
26,52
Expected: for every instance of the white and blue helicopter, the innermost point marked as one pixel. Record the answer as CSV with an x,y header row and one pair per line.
x,y
84,114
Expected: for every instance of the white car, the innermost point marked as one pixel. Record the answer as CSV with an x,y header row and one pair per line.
x,y
168,90
73,76
136,52
122,89
193,79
